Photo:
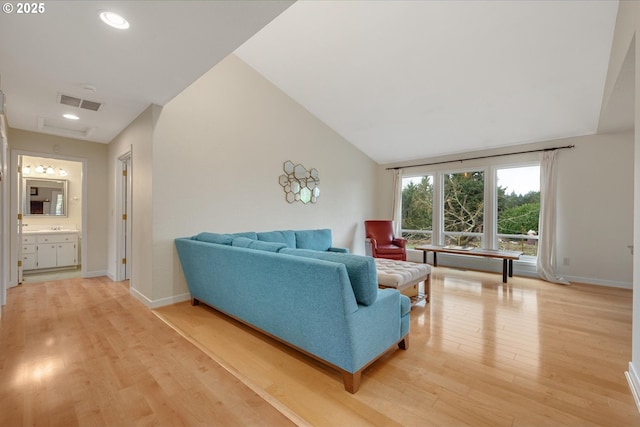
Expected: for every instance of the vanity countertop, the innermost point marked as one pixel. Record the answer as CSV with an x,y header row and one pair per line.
x,y
63,231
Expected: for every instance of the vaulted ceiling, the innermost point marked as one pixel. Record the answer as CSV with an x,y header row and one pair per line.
x,y
67,50
400,80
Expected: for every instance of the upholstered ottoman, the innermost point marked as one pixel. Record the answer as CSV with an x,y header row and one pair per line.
x,y
405,277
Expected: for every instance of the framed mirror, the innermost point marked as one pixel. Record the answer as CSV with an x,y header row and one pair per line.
x,y
43,196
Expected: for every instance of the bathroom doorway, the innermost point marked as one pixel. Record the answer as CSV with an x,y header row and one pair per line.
x,y
51,219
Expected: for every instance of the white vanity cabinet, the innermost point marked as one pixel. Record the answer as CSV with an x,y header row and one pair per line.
x,y
49,250
29,252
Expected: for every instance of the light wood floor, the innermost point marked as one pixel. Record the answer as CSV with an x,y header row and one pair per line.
x,y
84,352
482,353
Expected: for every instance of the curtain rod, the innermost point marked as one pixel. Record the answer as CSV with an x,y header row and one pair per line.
x,y
483,157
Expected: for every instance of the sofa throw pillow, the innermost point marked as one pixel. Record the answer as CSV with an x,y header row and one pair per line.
x,y
361,270
317,240
221,239
287,237
244,242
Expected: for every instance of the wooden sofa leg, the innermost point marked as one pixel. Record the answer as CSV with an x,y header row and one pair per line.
x,y
351,380
404,344
195,301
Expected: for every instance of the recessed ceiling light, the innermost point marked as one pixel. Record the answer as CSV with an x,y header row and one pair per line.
x,y
113,20
71,116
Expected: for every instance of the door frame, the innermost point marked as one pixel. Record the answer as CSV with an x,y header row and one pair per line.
x,y
5,189
124,218
16,154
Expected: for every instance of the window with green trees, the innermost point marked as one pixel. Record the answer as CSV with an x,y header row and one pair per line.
x,y
417,210
451,208
518,208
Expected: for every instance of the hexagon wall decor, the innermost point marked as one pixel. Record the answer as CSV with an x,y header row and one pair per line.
x,y
299,184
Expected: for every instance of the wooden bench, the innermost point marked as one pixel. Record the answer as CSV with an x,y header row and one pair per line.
x,y
506,256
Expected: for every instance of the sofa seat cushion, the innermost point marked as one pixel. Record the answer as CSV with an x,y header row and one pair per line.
x,y
287,237
245,242
361,270
317,240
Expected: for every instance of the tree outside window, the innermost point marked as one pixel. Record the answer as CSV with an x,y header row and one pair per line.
x,y
518,209
464,208
417,210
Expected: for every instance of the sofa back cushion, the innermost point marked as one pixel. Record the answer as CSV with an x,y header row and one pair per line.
x,y
317,240
221,239
361,270
245,242
287,237
248,234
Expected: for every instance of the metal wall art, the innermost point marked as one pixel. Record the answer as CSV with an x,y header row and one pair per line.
x,y
299,184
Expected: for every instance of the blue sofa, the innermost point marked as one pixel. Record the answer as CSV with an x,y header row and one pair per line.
x,y
294,286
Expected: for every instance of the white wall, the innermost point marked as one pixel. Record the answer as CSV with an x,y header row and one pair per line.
x,y
137,138
595,210
94,264
218,149
594,240
627,25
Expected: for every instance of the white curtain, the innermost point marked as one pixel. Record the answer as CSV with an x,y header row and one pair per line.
x,y
397,202
547,225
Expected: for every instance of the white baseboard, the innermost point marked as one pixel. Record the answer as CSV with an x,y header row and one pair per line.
x,y
599,282
634,384
91,274
160,302
520,268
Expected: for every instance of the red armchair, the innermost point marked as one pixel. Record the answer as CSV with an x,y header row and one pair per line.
x,y
381,243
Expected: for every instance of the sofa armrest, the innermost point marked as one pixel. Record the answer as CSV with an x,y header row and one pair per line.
x,y
376,327
372,242
339,250
400,242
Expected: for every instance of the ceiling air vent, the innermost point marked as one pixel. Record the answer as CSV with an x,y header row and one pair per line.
x,y
77,102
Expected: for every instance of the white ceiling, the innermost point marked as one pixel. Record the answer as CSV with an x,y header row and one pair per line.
x,y
414,79
168,46
400,80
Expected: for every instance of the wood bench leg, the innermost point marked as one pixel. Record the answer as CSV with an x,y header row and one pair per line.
x,y
427,288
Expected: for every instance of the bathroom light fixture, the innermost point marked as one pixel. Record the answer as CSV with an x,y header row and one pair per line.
x,y
26,169
50,170
114,20
70,116
40,169
62,172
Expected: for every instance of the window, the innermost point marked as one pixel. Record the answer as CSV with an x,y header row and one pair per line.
x,y
463,207
494,207
518,199
417,210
